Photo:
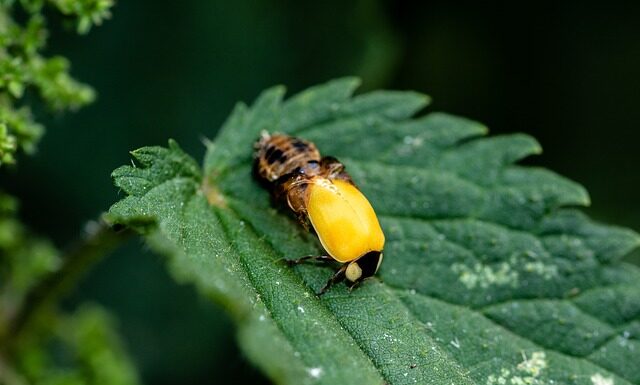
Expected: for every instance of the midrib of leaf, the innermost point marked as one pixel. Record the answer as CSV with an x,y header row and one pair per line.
x,y
372,314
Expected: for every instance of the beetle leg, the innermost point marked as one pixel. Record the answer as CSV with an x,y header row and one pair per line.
x,y
332,168
337,277
353,285
322,258
302,219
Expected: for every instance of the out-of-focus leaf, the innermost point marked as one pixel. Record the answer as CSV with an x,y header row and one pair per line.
x,y
79,348
51,347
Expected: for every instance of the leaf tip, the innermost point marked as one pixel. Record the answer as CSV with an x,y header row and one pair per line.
x,y
536,148
585,199
483,130
421,97
272,95
426,99
173,145
420,100
635,240
581,195
350,82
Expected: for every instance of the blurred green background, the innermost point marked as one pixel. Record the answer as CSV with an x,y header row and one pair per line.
x,y
567,74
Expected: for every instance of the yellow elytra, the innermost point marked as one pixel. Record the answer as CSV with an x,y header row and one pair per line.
x,y
320,190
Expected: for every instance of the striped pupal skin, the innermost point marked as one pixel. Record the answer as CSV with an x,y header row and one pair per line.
x,y
278,156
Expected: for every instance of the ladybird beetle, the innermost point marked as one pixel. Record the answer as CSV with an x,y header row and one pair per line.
x,y
320,192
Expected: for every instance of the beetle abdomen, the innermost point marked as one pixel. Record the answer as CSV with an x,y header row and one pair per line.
x,y
344,220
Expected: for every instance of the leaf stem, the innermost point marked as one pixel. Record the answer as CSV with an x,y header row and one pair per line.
x,y
100,239
8,376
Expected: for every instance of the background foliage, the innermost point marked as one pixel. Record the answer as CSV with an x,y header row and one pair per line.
x,y
26,72
39,343
564,74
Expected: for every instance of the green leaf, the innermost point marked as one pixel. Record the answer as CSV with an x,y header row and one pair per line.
x,y
489,276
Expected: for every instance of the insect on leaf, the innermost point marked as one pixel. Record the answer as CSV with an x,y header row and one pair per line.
x,y
489,276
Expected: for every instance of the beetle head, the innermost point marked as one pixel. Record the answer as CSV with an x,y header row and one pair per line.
x,y
364,267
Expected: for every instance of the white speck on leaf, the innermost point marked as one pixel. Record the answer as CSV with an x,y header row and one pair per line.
x,y
599,379
534,365
413,141
315,372
546,271
527,373
484,275
301,309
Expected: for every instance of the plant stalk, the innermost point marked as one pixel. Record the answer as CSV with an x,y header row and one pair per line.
x,y
100,239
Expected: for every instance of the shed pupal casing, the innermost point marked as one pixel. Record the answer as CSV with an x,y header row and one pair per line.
x,y
320,192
